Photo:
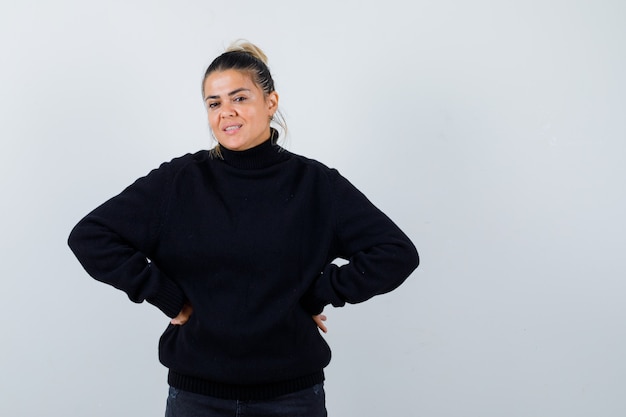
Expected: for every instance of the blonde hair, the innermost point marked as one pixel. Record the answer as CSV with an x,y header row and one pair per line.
x,y
242,45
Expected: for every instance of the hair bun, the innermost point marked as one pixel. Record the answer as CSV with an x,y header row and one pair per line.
x,y
242,45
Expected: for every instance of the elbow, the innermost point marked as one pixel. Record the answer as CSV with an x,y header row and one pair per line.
x,y
404,258
72,240
81,239
411,258
415,259
76,238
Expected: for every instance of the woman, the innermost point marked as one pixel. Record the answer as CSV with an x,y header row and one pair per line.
x,y
236,245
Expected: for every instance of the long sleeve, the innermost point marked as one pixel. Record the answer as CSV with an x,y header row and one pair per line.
x,y
380,256
115,241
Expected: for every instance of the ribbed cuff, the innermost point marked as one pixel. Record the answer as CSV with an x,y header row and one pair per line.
x,y
322,292
169,299
311,304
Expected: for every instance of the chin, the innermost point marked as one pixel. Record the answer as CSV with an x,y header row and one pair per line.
x,y
233,146
229,142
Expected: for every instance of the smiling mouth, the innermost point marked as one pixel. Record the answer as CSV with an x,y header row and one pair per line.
x,y
231,128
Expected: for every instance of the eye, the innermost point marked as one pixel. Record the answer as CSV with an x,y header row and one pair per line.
x,y
213,104
239,99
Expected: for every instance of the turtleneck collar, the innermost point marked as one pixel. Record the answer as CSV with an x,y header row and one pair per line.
x,y
261,156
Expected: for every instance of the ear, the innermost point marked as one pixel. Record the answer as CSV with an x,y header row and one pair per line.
x,y
272,102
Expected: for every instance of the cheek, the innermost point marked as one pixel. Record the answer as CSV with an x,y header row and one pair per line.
x,y
213,120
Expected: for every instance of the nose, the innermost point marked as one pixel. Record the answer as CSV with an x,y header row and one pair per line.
x,y
227,111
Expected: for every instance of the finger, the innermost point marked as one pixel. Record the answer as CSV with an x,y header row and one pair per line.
x,y
181,319
322,327
183,316
319,321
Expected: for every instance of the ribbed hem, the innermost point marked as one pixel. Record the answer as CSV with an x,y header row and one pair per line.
x,y
243,392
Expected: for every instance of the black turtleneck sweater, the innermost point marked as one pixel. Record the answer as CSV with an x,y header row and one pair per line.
x,y
248,240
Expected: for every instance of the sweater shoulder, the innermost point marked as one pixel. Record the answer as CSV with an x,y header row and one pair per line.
x,y
173,167
332,174
181,162
159,179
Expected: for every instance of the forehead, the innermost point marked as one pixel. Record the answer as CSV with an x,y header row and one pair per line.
x,y
223,82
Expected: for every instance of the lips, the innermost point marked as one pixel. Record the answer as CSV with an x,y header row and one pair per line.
x,y
231,128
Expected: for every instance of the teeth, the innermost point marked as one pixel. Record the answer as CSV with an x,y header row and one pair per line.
x,y
232,128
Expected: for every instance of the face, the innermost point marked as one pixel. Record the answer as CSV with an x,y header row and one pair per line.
x,y
239,113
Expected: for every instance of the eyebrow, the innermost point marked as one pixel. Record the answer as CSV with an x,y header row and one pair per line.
x,y
232,93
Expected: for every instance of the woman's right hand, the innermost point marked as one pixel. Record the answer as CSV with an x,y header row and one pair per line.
x,y
183,316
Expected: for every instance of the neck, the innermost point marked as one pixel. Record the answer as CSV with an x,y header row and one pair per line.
x,y
261,156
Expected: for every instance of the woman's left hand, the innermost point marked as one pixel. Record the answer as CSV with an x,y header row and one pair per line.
x,y
319,320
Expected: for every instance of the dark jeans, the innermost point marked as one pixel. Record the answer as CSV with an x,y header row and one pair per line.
x,y
306,403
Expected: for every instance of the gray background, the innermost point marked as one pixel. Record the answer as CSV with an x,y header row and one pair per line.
x,y
493,132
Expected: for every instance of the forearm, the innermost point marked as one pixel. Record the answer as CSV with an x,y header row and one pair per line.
x,y
110,258
380,256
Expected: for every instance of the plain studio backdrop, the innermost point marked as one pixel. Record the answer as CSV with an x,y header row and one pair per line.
x,y
493,132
